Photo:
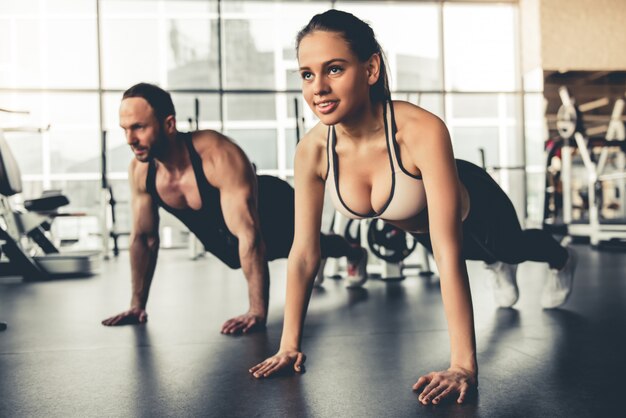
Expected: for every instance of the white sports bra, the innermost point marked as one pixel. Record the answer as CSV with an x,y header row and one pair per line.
x,y
407,197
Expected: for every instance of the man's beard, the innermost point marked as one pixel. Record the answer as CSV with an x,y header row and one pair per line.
x,y
157,150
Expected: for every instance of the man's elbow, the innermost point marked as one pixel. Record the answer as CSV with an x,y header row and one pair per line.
x,y
148,241
251,244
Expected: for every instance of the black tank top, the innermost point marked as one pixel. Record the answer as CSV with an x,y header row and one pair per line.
x,y
207,223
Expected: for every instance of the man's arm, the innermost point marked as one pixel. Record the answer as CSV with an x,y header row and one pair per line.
x,y
144,247
231,172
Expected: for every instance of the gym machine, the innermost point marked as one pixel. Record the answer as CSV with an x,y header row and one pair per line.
x,y
108,219
25,249
595,155
389,248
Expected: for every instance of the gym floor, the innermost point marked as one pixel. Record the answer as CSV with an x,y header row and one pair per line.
x,y
365,347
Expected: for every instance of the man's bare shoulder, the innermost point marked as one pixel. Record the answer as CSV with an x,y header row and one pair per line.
x,y
137,174
212,145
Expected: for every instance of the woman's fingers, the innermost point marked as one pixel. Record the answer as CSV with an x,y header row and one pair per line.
x,y
269,367
258,366
277,363
442,395
273,368
267,364
425,396
255,368
300,359
423,380
463,393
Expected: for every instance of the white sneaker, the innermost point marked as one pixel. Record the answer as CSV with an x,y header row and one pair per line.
x,y
319,279
505,291
558,286
357,270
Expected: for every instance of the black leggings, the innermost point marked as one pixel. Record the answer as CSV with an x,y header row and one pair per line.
x,y
276,213
491,231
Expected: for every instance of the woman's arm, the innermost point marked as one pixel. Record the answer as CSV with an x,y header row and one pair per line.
x,y
303,259
432,153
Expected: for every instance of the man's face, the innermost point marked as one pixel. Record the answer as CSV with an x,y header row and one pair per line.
x,y
141,128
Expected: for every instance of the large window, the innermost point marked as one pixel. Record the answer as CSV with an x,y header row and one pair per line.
x,y
231,65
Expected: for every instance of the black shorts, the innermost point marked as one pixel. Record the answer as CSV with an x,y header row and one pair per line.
x,y
276,214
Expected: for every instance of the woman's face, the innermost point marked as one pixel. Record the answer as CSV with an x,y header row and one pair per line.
x,y
334,82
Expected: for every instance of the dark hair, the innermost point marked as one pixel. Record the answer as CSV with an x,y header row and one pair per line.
x,y
361,39
157,98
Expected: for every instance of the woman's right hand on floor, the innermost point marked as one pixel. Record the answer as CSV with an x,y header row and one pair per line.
x,y
451,383
280,361
130,317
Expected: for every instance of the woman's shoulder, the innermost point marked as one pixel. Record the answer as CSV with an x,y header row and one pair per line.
x,y
315,138
311,150
415,123
409,113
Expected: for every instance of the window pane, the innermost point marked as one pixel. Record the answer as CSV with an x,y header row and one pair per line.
x,y
259,145
208,110
250,107
83,194
171,43
27,151
249,54
26,67
75,150
491,122
192,59
468,141
480,47
130,52
482,105
409,36
536,132
71,53
74,136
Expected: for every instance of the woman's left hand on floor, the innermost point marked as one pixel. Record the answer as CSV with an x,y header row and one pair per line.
x,y
438,386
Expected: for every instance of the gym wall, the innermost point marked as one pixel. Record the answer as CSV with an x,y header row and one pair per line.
x,y
573,35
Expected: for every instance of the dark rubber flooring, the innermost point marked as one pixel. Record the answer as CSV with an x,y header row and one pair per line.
x,y
365,347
